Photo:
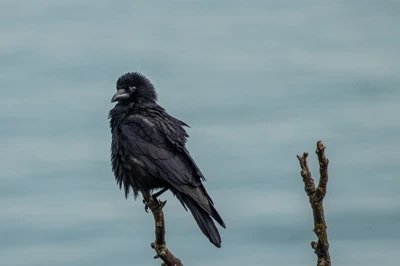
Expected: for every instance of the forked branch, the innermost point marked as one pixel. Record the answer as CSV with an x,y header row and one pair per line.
x,y
316,197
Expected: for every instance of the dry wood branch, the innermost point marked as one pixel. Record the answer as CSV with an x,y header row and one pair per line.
x,y
316,197
159,244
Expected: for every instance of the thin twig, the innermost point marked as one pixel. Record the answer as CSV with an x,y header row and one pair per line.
x,y
316,197
159,244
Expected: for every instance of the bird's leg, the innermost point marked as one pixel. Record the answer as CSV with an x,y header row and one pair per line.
x,y
146,198
156,195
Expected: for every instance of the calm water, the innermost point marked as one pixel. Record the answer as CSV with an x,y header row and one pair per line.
x,y
258,81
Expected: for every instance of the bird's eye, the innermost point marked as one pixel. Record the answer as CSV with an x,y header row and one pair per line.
x,y
132,89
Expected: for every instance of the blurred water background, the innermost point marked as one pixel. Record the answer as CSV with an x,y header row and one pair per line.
x,y
257,81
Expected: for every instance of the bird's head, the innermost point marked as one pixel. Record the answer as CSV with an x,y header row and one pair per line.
x,y
134,88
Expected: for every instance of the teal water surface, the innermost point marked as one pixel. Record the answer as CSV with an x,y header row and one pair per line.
x,y
257,81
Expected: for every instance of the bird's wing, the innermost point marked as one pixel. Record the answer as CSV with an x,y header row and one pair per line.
x,y
145,142
177,136
160,155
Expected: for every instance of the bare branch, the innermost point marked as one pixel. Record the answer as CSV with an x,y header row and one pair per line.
x,y
160,245
309,185
323,170
316,197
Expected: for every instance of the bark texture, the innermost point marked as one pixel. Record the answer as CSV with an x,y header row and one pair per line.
x,y
316,196
159,244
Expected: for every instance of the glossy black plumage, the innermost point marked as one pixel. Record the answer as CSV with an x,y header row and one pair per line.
x,y
148,152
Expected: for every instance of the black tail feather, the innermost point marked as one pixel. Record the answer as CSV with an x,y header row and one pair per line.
x,y
203,219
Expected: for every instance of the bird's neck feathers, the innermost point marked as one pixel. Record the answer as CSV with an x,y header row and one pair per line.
x,y
117,114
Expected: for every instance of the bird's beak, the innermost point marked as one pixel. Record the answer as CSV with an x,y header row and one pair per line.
x,y
120,95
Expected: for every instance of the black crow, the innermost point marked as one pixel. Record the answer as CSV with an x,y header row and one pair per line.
x,y
148,152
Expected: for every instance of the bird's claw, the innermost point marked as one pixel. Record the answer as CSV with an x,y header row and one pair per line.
x,y
161,204
146,207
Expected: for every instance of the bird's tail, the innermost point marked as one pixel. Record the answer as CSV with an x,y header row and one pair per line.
x,y
204,220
